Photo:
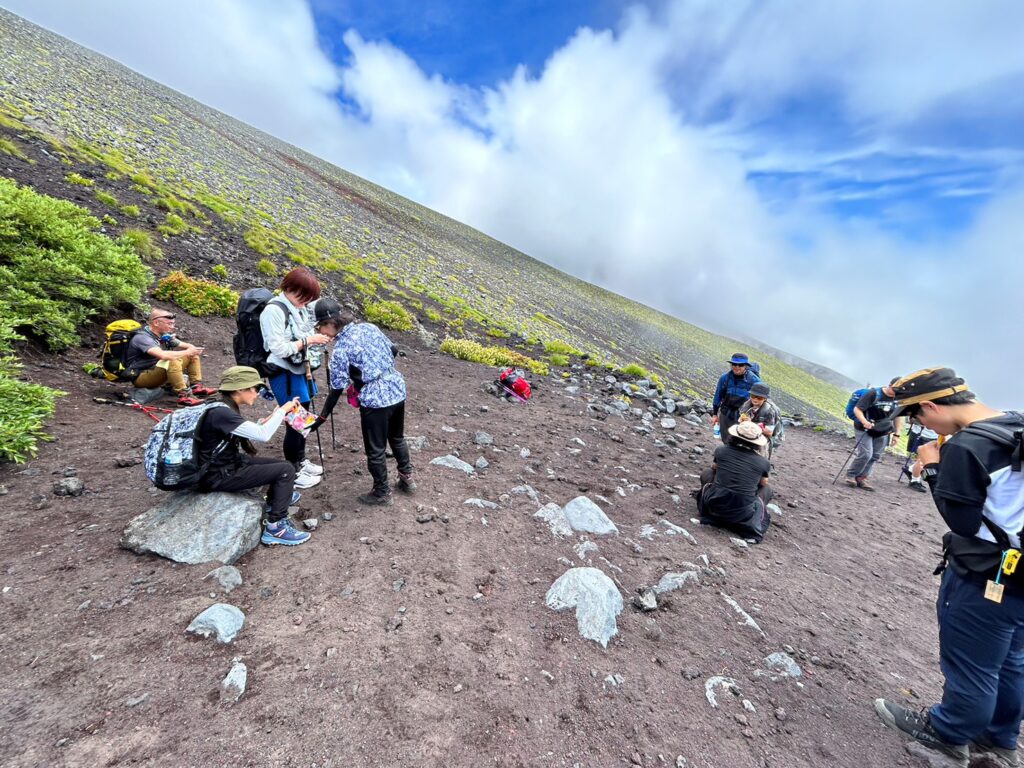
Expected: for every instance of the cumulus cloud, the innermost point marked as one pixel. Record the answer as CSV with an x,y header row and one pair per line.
x,y
628,159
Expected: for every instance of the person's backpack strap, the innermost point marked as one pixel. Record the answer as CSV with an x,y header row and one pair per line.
x,y
1009,437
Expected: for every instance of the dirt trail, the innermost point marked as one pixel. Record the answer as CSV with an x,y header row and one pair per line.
x,y
385,641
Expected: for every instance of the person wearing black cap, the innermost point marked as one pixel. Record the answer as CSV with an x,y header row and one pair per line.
x,y
761,411
732,390
977,485
876,425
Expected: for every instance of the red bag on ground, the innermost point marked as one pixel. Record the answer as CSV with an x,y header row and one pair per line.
x,y
515,382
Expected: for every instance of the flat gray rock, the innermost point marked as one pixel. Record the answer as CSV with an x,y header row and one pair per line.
x,y
481,463
594,596
227,576
783,665
670,582
483,438
221,620
585,516
668,423
453,462
482,503
192,527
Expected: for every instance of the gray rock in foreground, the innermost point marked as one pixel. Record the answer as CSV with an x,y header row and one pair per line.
x,y
227,576
594,596
233,686
221,620
585,516
197,527
453,462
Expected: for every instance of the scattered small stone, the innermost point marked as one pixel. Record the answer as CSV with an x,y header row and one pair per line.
x,y
741,718
330,653
792,504
394,623
135,701
780,714
691,673
426,517
483,438
646,601
453,462
397,585
328,516
233,685
749,705
482,503
69,486
614,680
524,453
227,576
85,605
739,543
547,675
311,523
481,463
127,461
457,688
221,620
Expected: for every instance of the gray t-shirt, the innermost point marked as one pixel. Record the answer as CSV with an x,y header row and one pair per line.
x,y
139,358
767,415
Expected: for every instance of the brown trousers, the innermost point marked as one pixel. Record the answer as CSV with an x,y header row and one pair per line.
x,y
173,374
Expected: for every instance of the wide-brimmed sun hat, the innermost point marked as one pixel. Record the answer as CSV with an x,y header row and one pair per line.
x,y
240,377
739,359
750,432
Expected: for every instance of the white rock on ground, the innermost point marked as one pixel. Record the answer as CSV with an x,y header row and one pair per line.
x,y
553,515
227,576
783,665
233,686
221,620
594,596
197,527
725,683
584,548
585,516
670,582
482,503
453,462
671,529
529,491
747,619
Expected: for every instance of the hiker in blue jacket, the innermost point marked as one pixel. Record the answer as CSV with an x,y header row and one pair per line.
x,y
732,391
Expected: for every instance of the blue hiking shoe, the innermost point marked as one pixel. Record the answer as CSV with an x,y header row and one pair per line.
x,y
283,533
295,500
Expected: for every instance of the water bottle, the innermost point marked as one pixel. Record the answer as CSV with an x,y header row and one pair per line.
x,y
717,430
172,467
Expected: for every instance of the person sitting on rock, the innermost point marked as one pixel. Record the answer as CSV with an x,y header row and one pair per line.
x,y
759,410
226,449
735,491
732,391
156,357
362,368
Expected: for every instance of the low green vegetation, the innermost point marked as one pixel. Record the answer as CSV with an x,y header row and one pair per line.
x,y
9,147
219,271
432,315
197,297
267,267
389,314
78,180
560,348
57,271
173,225
634,369
557,359
142,243
465,349
107,199
263,241
131,210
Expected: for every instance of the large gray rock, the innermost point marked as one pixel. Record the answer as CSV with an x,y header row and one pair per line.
x,y
221,620
594,596
553,515
453,462
585,516
197,527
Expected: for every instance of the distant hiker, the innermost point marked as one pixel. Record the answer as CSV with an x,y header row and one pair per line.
x,y
732,390
876,425
735,490
761,411
362,368
287,329
157,357
977,484
918,435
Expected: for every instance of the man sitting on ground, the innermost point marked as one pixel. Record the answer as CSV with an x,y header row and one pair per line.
x,y
157,357
735,490
759,410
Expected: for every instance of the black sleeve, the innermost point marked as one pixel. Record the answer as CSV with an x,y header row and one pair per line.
x,y
867,400
963,519
329,402
962,477
220,422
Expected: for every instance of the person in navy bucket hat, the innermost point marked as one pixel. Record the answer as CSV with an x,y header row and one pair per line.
x,y
732,391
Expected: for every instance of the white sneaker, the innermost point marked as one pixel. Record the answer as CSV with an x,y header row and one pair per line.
x,y
303,480
309,468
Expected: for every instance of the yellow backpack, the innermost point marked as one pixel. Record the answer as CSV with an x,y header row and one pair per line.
x,y
114,355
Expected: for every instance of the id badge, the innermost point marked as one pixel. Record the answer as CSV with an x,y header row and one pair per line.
x,y
994,592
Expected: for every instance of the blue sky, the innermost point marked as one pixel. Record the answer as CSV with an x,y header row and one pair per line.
x,y
862,159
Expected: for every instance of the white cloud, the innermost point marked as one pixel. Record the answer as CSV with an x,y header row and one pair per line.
x,y
602,164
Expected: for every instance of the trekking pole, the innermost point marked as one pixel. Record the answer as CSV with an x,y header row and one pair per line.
x,y
334,442
855,445
146,409
312,404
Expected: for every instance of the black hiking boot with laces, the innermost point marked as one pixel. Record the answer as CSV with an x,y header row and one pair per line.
x,y
917,724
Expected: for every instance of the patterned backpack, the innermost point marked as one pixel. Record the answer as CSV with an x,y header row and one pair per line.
x,y
172,452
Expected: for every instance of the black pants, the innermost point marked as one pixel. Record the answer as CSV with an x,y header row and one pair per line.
x,y
383,427
255,473
752,524
726,418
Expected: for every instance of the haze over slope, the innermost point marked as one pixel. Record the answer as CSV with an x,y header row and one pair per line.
x,y
300,207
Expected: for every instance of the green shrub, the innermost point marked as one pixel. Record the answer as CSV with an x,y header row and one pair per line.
x,y
112,175
197,297
464,349
219,271
173,225
557,359
560,348
79,180
107,199
131,210
143,179
56,273
389,314
9,147
263,241
109,220
657,382
142,243
432,315
267,267
634,369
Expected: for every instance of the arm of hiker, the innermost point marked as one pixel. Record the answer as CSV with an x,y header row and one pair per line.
x,y
263,432
327,408
897,429
716,402
959,488
274,326
173,354
859,414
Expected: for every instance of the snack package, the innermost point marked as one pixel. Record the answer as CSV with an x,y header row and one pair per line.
x,y
300,420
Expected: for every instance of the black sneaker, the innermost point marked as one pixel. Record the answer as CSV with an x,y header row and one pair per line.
x,y
919,486
1004,758
407,485
918,725
373,500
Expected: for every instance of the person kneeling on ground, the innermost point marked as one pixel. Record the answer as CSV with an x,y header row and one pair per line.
x,y
977,484
223,431
735,491
157,357
761,411
362,367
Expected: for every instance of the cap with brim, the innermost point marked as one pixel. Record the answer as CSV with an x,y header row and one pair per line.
x,y
739,359
749,432
760,390
927,384
240,377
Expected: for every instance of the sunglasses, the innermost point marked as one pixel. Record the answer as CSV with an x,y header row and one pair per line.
x,y
165,317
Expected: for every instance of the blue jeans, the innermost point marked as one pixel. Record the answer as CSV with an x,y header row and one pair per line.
x,y
981,650
866,452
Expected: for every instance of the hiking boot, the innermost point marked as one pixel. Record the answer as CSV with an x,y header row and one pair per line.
x,y
304,480
200,391
851,482
864,485
308,467
918,725
406,484
294,500
919,486
375,500
185,399
1004,758
283,532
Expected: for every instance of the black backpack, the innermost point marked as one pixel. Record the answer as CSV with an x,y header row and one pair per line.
x,y
248,342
